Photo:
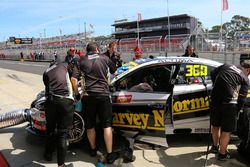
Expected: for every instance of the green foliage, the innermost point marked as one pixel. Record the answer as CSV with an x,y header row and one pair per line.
x,y
215,28
200,23
237,23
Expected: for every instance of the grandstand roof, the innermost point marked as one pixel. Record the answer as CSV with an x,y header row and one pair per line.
x,y
153,19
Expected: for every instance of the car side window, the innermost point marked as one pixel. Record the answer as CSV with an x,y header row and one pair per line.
x,y
149,79
193,73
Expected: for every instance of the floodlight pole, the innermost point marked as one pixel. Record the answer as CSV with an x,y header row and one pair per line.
x,y
85,31
60,31
79,28
40,41
138,34
44,32
169,39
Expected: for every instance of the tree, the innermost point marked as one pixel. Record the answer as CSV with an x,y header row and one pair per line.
x,y
215,28
237,23
200,24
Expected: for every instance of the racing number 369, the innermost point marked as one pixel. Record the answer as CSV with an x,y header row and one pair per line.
x,y
196,70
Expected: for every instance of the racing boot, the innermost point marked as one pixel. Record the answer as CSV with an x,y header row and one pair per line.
x,y
93,152
224,157
128,156
214,149
111,157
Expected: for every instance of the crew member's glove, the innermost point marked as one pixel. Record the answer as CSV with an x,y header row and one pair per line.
x,y
78,97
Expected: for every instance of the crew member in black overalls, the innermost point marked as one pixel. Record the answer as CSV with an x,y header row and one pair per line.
x,y
59,109
227,97
97,101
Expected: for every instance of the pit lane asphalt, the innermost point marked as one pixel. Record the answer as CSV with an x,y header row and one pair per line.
x,y
25,66
18,89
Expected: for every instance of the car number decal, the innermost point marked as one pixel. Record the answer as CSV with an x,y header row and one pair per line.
x,y
196,70
248,93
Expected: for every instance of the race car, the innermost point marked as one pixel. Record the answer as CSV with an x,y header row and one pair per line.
x,y
169,95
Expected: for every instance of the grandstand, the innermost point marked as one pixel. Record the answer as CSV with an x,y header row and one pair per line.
x,y
153,33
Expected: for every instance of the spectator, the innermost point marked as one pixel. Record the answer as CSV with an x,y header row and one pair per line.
x,y
35,55
81,53
21,55
189,52
42,56
74,65
31,56
113,54
95,68
227,96
166,54
137,52
119,61
55,56
70,55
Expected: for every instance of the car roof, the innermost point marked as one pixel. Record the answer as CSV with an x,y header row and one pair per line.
x,y
177,60
167,60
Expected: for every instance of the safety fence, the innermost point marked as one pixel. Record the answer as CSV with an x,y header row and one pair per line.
x,y
201,42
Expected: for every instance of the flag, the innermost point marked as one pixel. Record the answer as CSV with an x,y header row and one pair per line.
x,y
138,17
224,5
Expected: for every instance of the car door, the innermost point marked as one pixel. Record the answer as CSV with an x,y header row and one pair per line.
x,y
139,101
191,98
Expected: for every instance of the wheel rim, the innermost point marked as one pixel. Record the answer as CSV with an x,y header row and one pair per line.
x,y
77,129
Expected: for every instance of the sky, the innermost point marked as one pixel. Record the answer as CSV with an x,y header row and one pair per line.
x,y
35,18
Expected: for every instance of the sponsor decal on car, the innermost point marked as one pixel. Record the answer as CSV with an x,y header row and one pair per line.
x,y
175,60
150,121
123,98
190,105
38,120
40,125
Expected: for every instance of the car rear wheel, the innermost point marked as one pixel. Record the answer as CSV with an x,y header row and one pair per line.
x,y
77,130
